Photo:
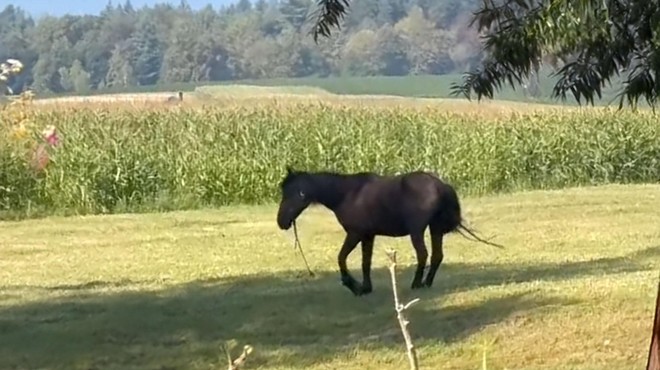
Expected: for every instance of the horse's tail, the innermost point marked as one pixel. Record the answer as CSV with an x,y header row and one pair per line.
x,y
476,237
450,213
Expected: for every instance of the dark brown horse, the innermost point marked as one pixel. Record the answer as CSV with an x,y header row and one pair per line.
x,y
368,204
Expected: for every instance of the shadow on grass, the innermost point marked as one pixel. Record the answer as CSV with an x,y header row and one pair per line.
x,y
291,321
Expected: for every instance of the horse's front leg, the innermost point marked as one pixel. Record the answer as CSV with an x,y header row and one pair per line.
x,y
350,242
367,253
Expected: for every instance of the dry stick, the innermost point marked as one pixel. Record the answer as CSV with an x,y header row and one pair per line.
x,y
237,363
403,322
653,362
296,243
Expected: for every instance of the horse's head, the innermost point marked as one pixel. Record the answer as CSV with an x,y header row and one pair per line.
x,y
297,194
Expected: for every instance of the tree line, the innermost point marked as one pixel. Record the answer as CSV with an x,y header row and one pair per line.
x,y
164,44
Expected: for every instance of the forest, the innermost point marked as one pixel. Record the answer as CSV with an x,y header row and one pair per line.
x,y
125,46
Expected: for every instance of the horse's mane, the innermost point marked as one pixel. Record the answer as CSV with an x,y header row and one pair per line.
x,y
292,175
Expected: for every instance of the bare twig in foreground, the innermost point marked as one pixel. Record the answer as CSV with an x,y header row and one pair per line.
x,y
654,352
240,360
403,322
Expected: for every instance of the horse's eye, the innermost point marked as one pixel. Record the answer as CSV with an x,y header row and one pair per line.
x,y
301,194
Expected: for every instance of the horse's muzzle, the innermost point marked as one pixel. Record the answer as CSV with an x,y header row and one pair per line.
x,y
284,225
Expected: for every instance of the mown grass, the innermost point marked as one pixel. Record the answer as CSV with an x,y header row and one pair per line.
x,y
190,157
574,289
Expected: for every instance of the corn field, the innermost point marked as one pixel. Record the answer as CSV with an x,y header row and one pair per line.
x,y
131,161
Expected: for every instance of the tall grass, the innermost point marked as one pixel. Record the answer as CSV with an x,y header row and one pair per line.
x,y
111,161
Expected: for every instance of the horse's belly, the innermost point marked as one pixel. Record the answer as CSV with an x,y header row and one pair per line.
x,y
393,232
377,221
374,225
390,227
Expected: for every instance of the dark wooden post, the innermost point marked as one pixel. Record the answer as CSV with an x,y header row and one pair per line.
x,y
654,352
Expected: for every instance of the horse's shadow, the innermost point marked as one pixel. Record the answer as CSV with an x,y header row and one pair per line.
x,y
292,321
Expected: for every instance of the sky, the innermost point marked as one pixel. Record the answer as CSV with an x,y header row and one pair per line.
x,y
38,8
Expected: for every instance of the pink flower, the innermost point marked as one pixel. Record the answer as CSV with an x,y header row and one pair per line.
x,y
50,134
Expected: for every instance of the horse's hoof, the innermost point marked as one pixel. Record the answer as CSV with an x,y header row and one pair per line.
x,y
366,290
357,291
347,282
352,285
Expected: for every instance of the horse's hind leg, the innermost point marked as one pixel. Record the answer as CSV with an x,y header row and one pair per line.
x,y
436,254
350,242
417,239
367,253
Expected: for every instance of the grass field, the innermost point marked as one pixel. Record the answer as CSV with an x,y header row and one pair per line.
x,y
573,290
413,86
379,91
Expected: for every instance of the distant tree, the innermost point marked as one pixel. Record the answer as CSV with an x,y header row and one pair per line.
x,y
243,6
128,7
393,52
148,55
15,26
595,39
361,55
165,43
426,47
120,71
295,12
75,78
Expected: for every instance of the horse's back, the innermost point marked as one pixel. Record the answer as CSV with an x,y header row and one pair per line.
x,y
417,184
424,183
393,205
415,192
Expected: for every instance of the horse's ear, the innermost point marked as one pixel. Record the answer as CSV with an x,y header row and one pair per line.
x,y
289,170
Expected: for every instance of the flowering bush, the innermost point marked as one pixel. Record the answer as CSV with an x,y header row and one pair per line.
x,y
24,151
18,125
10,68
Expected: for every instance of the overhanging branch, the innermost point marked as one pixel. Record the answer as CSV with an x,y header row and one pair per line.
x,y
328,15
